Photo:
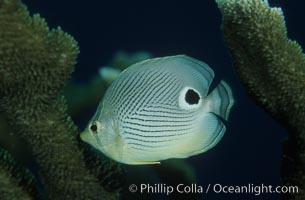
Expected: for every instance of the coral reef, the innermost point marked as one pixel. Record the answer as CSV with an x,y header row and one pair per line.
x,y
16,181
272,68
35,63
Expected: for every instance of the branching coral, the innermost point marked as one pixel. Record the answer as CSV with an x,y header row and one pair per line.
x,y
272,68
35,63
16,181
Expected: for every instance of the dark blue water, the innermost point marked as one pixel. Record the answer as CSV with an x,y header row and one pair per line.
x,y
250,151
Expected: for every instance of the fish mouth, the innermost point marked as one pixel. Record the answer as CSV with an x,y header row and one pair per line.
x,y
88,138
92,139
84,136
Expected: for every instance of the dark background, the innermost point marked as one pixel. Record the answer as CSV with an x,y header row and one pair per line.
x,y
250,151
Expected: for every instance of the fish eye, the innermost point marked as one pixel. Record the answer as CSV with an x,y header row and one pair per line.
x,y
93,128
192,97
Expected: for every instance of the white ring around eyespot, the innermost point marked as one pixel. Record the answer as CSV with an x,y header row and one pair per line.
x,y
182,102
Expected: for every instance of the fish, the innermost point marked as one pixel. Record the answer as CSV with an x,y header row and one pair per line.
x,y
159,109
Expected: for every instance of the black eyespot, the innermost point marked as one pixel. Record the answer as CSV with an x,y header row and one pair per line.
x,y
93,128
192,97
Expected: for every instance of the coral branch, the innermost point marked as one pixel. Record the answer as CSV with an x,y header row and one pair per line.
x,y
272,68
109,173
35,63
16,182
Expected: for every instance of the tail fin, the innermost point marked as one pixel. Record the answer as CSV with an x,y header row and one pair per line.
x,y
220,100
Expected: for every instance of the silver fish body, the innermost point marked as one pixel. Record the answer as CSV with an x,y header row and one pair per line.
x,y
159,109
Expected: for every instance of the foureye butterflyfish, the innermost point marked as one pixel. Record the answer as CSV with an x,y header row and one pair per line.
x,y
158,109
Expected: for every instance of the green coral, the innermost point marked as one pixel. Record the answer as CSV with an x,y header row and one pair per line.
x,y
272,68
16,181
35,63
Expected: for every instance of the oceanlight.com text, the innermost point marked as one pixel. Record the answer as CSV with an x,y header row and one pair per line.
x,y
252,189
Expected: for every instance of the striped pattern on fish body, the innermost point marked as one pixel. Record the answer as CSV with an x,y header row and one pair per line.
x,y
159,109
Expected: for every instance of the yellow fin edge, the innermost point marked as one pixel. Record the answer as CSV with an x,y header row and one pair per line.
x,y
145,163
